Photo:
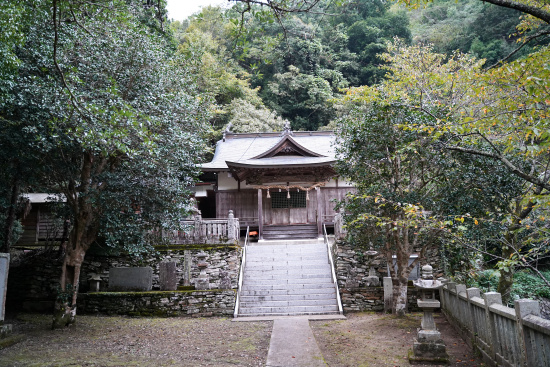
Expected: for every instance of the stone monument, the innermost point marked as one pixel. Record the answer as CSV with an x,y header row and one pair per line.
x,y
428,348
372,280
225,280
132,279
167,276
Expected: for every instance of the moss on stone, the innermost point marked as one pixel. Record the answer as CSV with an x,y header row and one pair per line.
x,y
195,246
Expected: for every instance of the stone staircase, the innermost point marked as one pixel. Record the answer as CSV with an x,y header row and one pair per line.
x,y
290,232
287,278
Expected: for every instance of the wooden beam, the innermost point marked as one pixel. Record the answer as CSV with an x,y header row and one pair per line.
x,y
260,216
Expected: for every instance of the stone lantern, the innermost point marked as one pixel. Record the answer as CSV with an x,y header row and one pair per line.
x,y
95,283
202,281
428,348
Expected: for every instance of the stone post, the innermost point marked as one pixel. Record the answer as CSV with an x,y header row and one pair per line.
x,y
186,268
4,269
388,294
198,226
339,231
451,287
167,276
524,308
231,230
471,293
490,299
462,311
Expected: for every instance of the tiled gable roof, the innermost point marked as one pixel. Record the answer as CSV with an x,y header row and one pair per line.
x,y
243,148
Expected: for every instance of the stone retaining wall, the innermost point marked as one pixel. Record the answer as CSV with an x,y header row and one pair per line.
x,y
352,266
177,303
220,259
365,299
33,283
352,270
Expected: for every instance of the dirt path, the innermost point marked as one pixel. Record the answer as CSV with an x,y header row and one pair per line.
x,y
361,340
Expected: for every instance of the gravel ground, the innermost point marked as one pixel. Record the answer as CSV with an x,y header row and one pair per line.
x,y
364,339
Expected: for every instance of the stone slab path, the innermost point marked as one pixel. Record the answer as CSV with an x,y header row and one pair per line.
x,y
292,341
293,344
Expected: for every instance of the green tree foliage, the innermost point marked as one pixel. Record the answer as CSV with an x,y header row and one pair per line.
x,y
397,174
301,61
247,118
202,42
116,121
500,114
485,30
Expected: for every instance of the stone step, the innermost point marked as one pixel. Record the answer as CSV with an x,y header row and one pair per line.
x,y
287,279
287,242
286,286
301,266
291,281
288,309
287,297
291,303
286,252
284,277
265,274
283,260
290,314
293,291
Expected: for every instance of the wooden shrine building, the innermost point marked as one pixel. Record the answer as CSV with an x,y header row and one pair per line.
x,y
274,181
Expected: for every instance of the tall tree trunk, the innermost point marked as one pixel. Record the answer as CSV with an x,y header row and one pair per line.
x,y
10,218
65,305
399,288
399,282
83,233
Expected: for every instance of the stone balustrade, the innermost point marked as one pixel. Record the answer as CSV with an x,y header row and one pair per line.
x,y
208,231
504,336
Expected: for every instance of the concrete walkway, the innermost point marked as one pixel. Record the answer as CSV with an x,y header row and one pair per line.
x,y
292,341
293,344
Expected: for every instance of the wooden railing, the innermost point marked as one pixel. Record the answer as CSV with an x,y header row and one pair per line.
x,y
504,336
207,231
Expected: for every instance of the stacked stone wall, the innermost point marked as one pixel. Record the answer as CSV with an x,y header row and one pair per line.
x,y
371,299
33,280
177,303
352,270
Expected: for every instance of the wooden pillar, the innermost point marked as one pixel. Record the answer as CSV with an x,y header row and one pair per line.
x,y
319,212
260,216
